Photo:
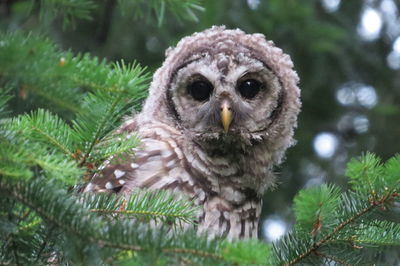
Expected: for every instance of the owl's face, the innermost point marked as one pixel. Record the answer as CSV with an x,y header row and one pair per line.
x,y
225,95
226,85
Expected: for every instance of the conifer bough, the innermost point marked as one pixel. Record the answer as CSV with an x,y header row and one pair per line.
x,y
46,151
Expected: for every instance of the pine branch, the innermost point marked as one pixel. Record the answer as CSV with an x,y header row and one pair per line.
x,y
116,89
391,181
44,244
180,9
193,252
114,146
39,70
23,235
63,211
31,65
101,110
13,161
98,118
247,252
41,145
20,157
4,98
73,216
45,97
43,127
365,174
337,229
164,206
332,258
69,10
347,214
111,113
118,77
315,208
373,234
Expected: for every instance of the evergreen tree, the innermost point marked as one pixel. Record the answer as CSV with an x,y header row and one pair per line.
x,y
72,104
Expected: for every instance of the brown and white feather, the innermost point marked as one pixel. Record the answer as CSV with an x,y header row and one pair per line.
x,y
183,144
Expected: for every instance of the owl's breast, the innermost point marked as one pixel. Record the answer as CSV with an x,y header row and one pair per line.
x,y
241,167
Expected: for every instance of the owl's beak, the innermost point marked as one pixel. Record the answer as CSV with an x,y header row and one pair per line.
x,y
226,115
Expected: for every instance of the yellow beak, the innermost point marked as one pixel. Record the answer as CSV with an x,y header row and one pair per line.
x,y
226,116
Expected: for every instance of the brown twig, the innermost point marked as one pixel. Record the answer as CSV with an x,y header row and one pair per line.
x,y
317,245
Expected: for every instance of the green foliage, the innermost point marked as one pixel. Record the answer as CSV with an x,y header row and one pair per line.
x,y
374,233
247,252
365,174
4,98
11,163
58,147
111,145
21,157
315,208
69,10
47,129
369,176
67,78
163,206
101,111
22,61
334,226
71,105
180,9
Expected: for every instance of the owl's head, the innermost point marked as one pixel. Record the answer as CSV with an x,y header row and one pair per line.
x,y
225,84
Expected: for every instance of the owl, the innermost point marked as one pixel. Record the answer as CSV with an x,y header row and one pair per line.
x,y
220,115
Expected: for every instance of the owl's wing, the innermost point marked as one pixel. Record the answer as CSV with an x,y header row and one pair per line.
x,y
154,166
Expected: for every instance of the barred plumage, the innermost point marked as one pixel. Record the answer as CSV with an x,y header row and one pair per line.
x,y
219,117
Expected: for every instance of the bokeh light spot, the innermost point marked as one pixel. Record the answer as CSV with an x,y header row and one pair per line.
x,y
353,123
371,24
325,145
361,124
253,4
396,45
388,7
346,96
366,96
351,94
274,228
331,5
393,60
152,44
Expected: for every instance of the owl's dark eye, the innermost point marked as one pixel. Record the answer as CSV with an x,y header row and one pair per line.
x,y
249,88
200,90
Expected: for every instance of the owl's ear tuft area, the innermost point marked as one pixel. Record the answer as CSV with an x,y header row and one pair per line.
x,y
169,51
260,36
217,28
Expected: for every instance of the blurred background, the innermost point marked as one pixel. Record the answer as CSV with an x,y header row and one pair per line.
x,y
347,54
